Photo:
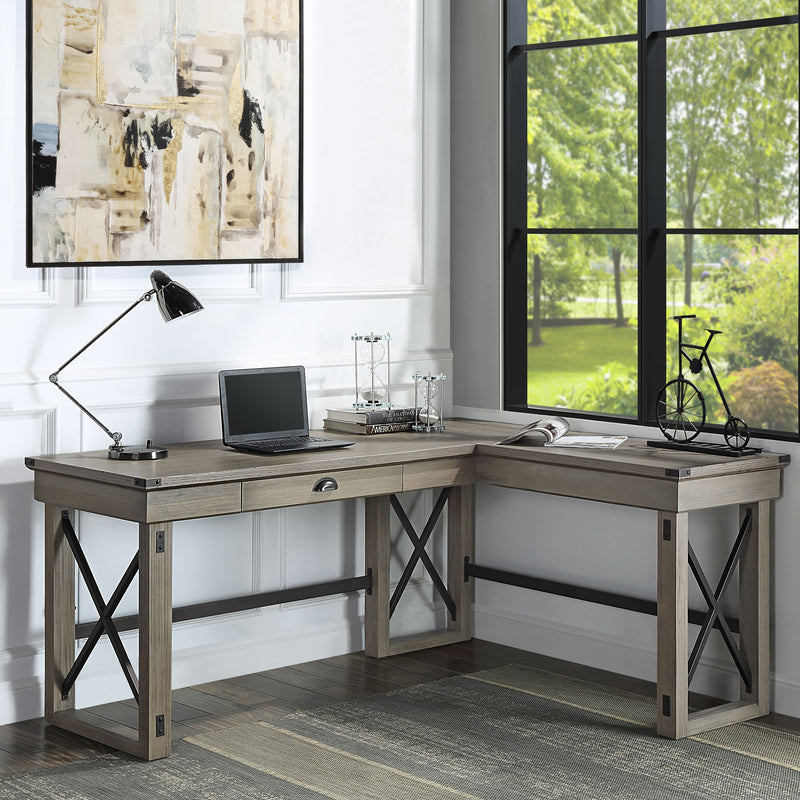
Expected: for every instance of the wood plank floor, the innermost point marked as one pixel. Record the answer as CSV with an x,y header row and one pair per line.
x,y
212,706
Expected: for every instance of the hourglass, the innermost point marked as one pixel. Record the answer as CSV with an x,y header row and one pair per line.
x,y
372,370
428,396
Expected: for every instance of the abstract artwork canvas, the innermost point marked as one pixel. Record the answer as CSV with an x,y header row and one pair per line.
x,y
164,131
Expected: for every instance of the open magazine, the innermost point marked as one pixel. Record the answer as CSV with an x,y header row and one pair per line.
x,y
552,432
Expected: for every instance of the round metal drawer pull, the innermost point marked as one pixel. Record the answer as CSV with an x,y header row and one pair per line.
x,y
325,485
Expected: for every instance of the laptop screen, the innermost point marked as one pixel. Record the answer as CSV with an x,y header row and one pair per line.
x,y
263,403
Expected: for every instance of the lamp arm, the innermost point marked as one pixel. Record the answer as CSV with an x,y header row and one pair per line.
x,y
146,296
115,435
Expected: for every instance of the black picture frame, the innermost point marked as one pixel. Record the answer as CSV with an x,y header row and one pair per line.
x,y
198,158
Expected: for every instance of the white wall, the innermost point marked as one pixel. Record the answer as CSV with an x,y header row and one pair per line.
x,y
586,543
377,257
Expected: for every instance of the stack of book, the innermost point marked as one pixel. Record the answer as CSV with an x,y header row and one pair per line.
x,y
369,421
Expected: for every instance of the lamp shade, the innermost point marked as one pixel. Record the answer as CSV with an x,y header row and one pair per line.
x,y
174,300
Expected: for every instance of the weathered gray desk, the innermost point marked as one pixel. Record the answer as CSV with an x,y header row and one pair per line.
x,y
203,479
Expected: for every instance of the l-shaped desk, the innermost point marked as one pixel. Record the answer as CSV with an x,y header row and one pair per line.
x,y
204,479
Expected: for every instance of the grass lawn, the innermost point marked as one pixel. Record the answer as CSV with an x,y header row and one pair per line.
x,y
573,353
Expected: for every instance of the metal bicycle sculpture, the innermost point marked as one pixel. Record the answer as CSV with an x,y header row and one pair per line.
x,y
680,407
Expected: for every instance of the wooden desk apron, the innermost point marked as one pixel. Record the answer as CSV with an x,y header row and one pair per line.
x,y
633,475
203,479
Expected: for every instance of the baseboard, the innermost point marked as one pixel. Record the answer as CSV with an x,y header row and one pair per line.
x,y
607,651
20,701
21,688
785,696
199,656
102,680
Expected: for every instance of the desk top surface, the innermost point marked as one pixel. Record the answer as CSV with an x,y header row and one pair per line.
x,y
195,463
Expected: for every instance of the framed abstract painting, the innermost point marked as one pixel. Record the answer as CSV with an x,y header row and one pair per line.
x,y
164,131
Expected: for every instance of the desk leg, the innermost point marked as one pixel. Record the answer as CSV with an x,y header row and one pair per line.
x,y
59,613
155,640
754,587
674,718
377,556
673,625
460,545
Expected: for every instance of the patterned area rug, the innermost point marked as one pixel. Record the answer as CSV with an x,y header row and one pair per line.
x,y
512,733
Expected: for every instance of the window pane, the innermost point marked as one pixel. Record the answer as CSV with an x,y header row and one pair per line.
x,y
582,323
748,289
687,13
559,20
732,122
582,137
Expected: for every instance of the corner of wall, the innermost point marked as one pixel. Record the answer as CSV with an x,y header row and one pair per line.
x,y
476,202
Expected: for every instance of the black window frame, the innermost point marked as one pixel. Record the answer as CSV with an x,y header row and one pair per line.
x,y
651,38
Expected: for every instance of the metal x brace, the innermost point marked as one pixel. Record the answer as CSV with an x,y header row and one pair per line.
x,y
713,599
419,543
105,624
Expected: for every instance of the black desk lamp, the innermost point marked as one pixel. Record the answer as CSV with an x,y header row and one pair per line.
x,y
173,301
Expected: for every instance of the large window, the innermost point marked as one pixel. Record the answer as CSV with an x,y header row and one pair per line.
x,y
652,172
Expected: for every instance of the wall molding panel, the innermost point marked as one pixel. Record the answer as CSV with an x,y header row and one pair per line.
x,y
47,435
398,256
119,286
366,292
41,291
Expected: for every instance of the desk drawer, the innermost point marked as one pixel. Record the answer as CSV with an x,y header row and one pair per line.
x,y
337,485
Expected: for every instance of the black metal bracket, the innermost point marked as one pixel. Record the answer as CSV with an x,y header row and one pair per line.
x,y
583,593
419,553
105,624
233,605
714,617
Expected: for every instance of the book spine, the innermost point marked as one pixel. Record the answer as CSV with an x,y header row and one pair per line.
x,y
390,415
388,427
378,416
363,429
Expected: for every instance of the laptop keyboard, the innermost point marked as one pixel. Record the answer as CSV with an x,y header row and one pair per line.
x,y
279,444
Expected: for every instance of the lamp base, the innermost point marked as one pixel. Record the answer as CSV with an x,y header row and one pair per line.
x,y
137,452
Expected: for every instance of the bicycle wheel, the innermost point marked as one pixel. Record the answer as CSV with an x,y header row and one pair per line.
x,y
680,410
736,433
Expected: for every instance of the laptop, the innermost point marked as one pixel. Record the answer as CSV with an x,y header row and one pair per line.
x,y
265,411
